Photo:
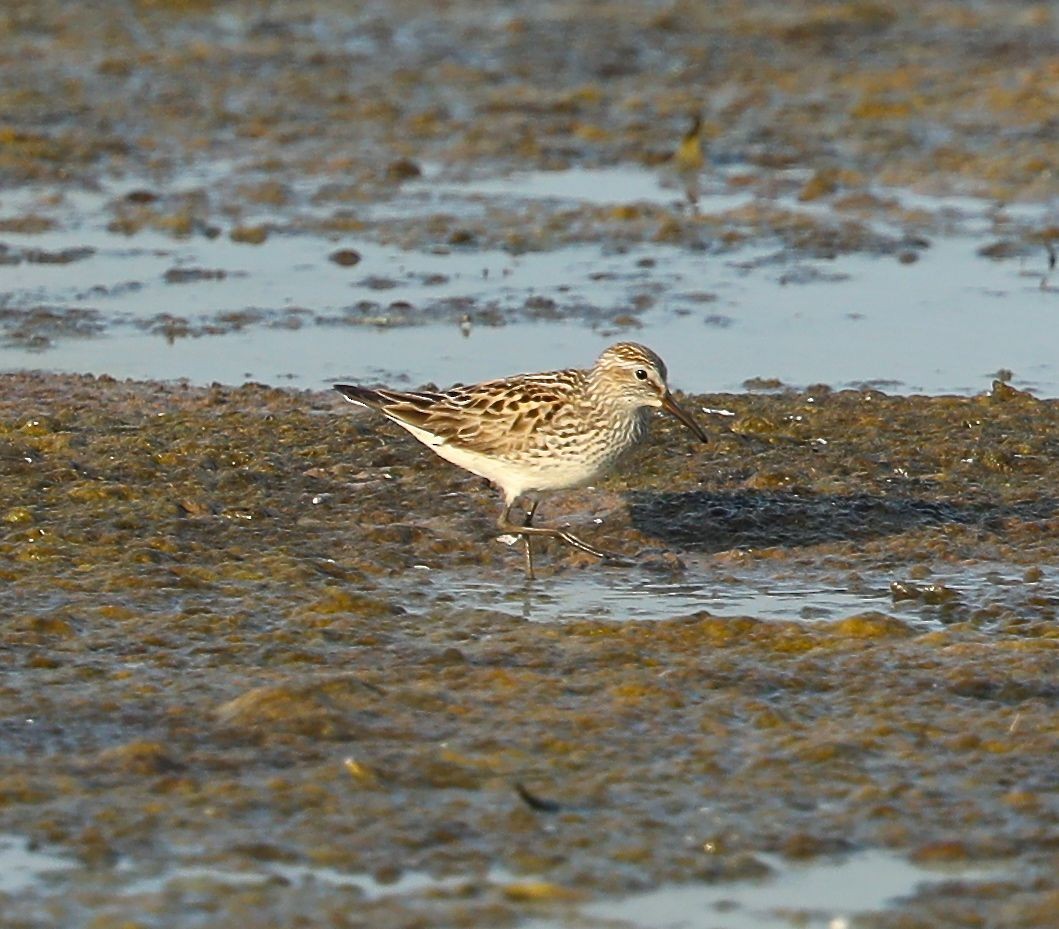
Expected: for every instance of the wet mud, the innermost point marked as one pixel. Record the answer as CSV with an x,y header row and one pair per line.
x,y
222,654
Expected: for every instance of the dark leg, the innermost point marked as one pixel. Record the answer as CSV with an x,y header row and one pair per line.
x,y
691,191
506,525
526,539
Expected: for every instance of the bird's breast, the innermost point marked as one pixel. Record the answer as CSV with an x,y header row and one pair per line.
x,y
595,440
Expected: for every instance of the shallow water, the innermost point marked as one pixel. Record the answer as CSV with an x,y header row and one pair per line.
x,y
631,597
621,184
280,312
407,883
634,594
816,895
823,893
23,867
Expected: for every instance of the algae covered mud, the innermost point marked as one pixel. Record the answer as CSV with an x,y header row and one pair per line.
x,y
255,672
264,661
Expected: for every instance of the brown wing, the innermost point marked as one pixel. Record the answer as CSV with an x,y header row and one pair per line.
x,y
492,417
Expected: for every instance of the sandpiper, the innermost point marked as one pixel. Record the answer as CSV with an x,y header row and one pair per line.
x,y
688,159
688,155
533,433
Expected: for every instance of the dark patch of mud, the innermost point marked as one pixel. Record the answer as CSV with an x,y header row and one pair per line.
x,y
753,519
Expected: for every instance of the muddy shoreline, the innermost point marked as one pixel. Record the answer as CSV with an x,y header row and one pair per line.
x,y
217,657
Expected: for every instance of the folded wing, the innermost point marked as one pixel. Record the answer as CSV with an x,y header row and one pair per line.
x,y
491,418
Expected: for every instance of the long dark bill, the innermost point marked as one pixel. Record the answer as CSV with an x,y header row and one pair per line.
x,y
670,406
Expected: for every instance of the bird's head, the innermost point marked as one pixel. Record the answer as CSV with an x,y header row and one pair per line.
x,y
633,376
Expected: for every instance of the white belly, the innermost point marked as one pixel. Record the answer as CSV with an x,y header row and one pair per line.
x,y
537,469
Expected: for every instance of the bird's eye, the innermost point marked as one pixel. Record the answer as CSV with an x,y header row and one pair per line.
x,y
641,374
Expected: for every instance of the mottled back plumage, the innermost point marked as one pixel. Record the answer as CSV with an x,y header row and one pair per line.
x,y
502,417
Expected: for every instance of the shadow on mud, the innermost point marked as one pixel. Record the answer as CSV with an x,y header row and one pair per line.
x,y
713,522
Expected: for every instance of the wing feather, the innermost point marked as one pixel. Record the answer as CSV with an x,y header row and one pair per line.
x,y
490,418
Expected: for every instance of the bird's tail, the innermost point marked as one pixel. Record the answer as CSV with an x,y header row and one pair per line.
x,y
365,396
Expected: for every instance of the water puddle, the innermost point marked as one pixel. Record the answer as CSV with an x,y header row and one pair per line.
x,y
408,883
622,184
634,184
817,895
630,595
825,893
23,867
625,597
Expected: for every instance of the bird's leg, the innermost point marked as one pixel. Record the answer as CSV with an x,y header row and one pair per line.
x,y
525,530
691,192
529,513
526,539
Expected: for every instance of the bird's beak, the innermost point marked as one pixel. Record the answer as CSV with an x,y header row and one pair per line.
x,y
670,406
